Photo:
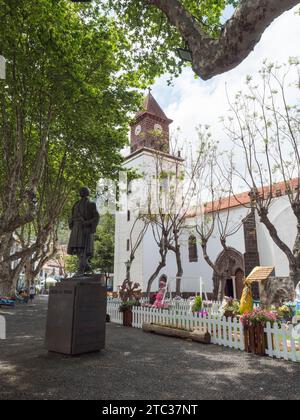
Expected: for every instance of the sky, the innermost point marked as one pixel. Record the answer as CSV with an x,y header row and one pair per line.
x,y
191,102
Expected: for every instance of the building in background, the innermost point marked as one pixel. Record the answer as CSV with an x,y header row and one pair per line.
x,y
249,247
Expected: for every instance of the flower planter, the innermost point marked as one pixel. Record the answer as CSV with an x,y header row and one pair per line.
x,y
127,317
230,314
255,339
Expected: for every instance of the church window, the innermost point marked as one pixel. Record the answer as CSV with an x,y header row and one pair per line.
x,y
193,251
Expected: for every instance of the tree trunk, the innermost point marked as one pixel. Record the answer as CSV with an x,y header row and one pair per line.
x,y
221,292
176,249
128,272
219,285
216,283
295,271
295,276
263,213
292,255
160,266
9,278
5,282
179,271
29,275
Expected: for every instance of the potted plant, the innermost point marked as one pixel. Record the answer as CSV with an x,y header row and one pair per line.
x,y
230,308
286,313
130,294
254,330
197,305
126,309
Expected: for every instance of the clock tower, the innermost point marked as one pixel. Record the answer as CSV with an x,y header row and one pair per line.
x,y
150,128
150,155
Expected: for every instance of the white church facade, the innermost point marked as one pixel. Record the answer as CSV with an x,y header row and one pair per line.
x,y
249,247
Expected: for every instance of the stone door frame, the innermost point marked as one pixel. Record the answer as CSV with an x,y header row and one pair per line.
x,y
227,263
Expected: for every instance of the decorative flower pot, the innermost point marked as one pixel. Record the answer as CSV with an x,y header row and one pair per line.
x,y
127,317
229,314
255,339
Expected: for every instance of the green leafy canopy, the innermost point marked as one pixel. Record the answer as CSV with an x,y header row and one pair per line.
x,y
154,40
71,86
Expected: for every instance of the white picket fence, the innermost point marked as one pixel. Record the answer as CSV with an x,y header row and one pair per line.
x,y
224,331
185,305
182,305
282,343
118,300
113,309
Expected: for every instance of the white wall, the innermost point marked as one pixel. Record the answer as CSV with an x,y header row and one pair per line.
x,y
123,228
147,257
282,216
145,164
193,270
201,268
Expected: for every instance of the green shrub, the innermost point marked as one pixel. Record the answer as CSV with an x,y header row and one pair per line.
x,y
197,304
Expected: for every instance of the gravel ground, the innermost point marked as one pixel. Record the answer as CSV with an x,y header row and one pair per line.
x,y
134,366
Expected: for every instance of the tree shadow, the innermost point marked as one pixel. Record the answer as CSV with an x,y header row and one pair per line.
x,y
135,365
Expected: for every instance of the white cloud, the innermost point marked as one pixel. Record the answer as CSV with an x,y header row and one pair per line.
x,y
191,101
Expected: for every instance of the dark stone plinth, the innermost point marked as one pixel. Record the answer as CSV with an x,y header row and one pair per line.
x,y
76,316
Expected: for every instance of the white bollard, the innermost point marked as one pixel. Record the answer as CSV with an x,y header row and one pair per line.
x,y
2,67
2,328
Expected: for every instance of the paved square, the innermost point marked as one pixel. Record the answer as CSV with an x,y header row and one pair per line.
x,y
134,365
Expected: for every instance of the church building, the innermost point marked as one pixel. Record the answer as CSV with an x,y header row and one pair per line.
x,y
249,247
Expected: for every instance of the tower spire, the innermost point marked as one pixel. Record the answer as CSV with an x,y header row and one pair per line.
x,y
150,128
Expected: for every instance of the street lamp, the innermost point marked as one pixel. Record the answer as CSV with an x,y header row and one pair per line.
x,y
2,67
128,266
185,54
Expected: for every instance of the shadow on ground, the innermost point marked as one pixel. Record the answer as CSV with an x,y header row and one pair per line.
x,y
134,365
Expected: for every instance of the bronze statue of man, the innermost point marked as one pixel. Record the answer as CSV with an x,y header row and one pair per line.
x,y
83,224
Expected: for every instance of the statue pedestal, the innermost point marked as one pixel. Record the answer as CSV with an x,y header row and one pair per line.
x,y
76,318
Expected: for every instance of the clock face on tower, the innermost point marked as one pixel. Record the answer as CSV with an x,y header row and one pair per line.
x,y
158,127
138,130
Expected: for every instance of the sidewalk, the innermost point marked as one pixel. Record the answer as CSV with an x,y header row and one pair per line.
x,y
134,365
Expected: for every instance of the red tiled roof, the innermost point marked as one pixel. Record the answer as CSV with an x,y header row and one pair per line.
x,y
237,200
152,107
243,199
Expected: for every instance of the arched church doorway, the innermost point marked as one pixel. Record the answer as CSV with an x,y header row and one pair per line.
x,y
230,278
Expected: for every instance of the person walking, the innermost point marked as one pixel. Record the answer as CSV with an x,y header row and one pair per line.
x,y
32,293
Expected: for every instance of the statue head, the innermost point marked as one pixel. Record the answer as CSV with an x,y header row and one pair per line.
x,y
84,192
